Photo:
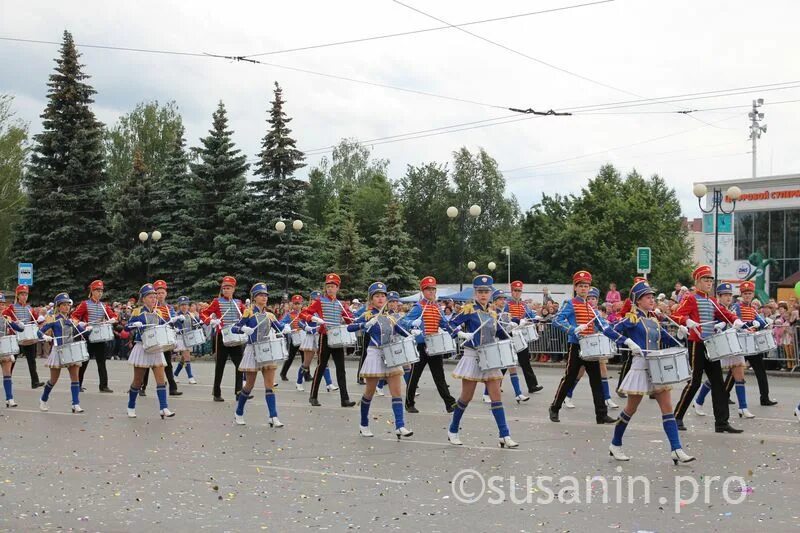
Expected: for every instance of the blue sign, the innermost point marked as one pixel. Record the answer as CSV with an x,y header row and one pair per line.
x,y
724,223
25,274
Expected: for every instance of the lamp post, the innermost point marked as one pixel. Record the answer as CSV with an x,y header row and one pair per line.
x,y
453,213
280,227
733,193
153,236
507,250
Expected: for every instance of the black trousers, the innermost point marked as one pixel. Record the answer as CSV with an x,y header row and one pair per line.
x,y
757,364
363,355
524,358
713,370
574,364
222,353
325,353
29,352
437,371
293,350
167,371
97,350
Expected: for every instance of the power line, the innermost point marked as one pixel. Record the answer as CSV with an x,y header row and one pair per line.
x,y
426,30
106,47
704,110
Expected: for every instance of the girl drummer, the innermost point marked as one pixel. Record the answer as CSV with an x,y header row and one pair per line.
x,y
22,312
641,332
258,323
64,330
143,361
504,319
184,353
478,326
379,327
8,327
394,311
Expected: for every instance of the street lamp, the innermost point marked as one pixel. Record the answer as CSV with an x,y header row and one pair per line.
x,y
507,250
153,236
471,266
453,213
733,193
280,227
492,265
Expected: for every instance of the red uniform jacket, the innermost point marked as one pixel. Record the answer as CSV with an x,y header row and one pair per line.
x,y
215,309
315,308
688,309
9,312
81,313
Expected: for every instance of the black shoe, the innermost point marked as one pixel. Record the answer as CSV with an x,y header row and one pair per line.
x,y
106,389
606,420
768,402
727,428
731,402
361,382
175,392
142,392
314,402
681,427
450,407
284,378
553,414
37,385
412,409
83,389
537,388
307,374
348,403
219,399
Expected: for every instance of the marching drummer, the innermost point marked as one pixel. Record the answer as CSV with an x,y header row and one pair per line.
x,y
95,312
258,324
167,312
327,311
20,311
64,331
506,323
380,327
478,327
577,318
143,361
696,314
224,310
393,310
427,316
641,332
292,317
8,353
592,299
188,323
745,310
309,347
626,365
524,316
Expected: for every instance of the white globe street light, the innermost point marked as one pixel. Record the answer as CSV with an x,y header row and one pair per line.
x,y
699,190
297,225
452,212
471,265
734,192
280,226
492,265
156,236
143,236
474,210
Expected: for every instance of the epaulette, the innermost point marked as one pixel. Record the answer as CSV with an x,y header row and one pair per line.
x,y
467,309
632,317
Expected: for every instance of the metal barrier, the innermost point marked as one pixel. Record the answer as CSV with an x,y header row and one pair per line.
x,y
552,340
785,356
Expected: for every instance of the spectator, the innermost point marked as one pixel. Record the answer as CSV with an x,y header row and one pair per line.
x,y
613,296
677,294
546,298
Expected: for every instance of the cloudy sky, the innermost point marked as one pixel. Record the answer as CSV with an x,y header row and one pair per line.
x,y
616,51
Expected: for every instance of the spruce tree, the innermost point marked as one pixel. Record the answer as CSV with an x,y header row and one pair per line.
x,y
394,253
220,212
62,229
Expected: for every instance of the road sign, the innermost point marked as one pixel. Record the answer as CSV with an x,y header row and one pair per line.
x,y
643,256
25,274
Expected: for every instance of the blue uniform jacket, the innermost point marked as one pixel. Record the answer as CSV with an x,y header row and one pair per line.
x,y
375,332
250,319
143,315
565,320
482,321
633,327
61,327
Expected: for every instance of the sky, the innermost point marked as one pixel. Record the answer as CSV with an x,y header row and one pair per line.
x,y
614,51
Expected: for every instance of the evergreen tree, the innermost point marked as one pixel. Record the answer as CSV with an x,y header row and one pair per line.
x,y
350,258
14,151
395,254
62,230
220,211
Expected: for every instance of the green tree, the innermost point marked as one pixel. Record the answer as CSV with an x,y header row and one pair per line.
x,y
353,163
319,195
62,230
369,205
13,155
394,254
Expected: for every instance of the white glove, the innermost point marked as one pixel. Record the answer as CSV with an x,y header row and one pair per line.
x,y
738,324
247,330
719,326
88,328
658,311
756,324
371,323
308,329
581,328
286,329
466,336
415,331
20,324
416,323
112,320
769,321
317,320
40,319
141,325
81,324
523,322
691,324
215,322
683,332
179,318
633,347
47,338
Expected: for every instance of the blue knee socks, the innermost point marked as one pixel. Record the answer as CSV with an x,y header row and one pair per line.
x,y
381,383
75,389
397,409
458,412
500,417
8,388
671,429
606,391
741,394
327,376
515,384
161,392
189,370
178,369
132,394
620,427
46,392
570,391
272,407
300,375
705,388
365,411
406,375
241,400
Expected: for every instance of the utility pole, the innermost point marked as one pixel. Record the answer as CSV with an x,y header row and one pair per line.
x,y
756,129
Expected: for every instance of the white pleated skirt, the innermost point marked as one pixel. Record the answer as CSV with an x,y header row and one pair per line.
x,y
7,358
179,346
468,369
374,367
732,361
141,359
54,361
249,363
637,381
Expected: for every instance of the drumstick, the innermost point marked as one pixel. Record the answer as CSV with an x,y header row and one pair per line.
x,y
720,312
479,328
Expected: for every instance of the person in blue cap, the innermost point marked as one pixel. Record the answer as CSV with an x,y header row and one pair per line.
x,y
380,327
184,353
9,348
640,331
63,331
393,306
734,363
259,325
477,325
309,347
507,323
142,361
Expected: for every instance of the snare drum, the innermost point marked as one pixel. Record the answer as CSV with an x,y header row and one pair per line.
x,y
440,344
339,337
519,340
310,342
8,345
193,337
765,341
723,344
748,342
158,339
270,350
401,351
30,335
297,337
233,339
596,347
101,332
668,366
74,352
496,355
